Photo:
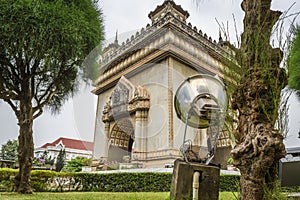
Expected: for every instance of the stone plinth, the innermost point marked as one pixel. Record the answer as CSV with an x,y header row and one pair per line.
x,y
182,181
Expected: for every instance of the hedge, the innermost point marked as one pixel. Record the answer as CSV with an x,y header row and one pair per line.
x,y
7,179
125,182
43,181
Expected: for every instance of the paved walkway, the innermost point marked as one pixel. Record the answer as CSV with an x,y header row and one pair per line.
x,y
162,170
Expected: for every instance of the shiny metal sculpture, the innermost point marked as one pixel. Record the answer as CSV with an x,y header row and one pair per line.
x,y
200,102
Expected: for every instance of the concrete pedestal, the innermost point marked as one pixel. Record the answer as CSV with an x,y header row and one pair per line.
x,y
182,181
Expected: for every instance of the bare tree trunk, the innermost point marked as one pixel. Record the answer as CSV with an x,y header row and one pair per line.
x,y
25,148
257,158
259,146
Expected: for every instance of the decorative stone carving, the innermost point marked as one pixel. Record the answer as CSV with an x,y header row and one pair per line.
x,y
125,98
120,95
168,18
121,133
140,100
106,111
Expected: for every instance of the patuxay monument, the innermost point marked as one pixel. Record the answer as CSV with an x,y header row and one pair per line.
x,y
135,111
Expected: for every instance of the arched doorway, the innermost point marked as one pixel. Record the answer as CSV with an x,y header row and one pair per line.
x,y
121,139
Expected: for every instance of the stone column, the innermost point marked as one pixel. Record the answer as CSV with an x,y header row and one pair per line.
x,y
138,131
140,105
106,138
170,102
144,133
140,146
101,140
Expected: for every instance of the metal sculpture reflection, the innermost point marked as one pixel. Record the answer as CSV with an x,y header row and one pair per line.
x,y
200,102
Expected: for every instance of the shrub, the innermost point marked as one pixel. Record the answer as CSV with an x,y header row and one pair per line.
x,y
45,180
125,182
7,176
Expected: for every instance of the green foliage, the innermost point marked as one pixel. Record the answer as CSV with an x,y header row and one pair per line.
x,y
230,161
126,158
229,183
114,166
36,162
294,62
76,164
43,44
43,160
126,182
9,151
43,180
60,160
49,39
48,159
7,179
274,193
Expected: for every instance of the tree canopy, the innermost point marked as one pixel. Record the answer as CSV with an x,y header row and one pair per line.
x,y
43,44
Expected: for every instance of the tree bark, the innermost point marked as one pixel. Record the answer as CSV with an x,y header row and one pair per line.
x,y
259,146
257,158
26,146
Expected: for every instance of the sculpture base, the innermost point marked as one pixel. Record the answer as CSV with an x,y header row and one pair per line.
x,y
182,181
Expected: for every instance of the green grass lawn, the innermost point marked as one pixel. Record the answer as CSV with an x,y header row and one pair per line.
x,y
100,195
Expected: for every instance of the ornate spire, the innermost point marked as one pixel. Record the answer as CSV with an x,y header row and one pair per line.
x,y
169,6
116,39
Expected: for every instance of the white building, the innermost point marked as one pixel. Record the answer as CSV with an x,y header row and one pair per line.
x,y
73,148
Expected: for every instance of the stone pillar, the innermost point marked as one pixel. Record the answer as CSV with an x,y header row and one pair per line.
x,y
102,142
139,105
106,138
170,102
138,131
140,147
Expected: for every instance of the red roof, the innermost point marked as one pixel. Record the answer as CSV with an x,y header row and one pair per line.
x,y
72,144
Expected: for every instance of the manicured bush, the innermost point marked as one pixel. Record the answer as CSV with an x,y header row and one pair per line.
x,y
46,181
125,182
7,176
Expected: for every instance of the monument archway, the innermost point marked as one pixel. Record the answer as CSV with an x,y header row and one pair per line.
x,y
124,115
121,140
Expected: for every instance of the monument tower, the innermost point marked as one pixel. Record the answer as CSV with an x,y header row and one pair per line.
x,y
135,112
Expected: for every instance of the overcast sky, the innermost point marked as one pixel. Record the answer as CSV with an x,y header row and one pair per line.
x,y
78,115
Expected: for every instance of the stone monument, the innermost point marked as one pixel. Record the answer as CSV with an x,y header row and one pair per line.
x,y
135,112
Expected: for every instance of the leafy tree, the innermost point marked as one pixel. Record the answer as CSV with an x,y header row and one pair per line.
x,y
9,151
42,46
76,164
60,160
294,63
